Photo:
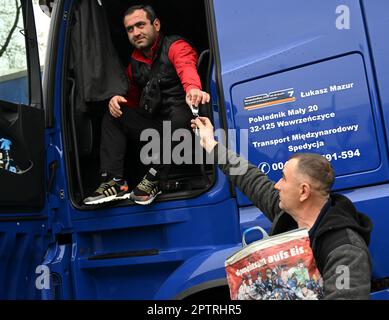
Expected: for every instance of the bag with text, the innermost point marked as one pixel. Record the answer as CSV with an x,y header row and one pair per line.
x,y
280,267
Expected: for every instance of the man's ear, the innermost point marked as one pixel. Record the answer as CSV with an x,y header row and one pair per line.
x,y
157,24
305,191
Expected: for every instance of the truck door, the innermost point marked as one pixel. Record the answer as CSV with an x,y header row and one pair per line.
x,y
23,218
298,77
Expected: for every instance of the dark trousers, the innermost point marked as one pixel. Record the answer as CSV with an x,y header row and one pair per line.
x,y
116,131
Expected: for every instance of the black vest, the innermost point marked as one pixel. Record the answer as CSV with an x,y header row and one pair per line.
x,y
172,91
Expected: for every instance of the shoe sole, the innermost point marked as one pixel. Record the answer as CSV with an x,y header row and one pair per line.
x,y
144,203
109,199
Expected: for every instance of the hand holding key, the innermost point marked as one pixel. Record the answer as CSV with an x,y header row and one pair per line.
x,y
195,112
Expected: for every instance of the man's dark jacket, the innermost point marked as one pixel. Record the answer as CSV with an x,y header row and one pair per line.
x,y
339,242
172,91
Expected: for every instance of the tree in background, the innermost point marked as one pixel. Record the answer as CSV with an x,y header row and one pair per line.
x,y
12,40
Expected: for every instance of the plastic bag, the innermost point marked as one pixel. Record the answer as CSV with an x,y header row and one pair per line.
x,y
280,267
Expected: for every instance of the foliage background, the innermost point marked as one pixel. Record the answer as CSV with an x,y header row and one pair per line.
x,y
12,42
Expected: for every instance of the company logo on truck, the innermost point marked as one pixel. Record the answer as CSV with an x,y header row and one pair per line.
x,y
269,99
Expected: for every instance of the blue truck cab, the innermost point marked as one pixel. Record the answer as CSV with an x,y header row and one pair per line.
x,y
284,77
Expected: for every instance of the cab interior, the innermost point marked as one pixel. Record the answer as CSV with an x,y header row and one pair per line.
x,y
82,116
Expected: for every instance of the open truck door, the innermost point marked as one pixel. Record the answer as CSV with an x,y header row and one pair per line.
x,y
121,250
23,209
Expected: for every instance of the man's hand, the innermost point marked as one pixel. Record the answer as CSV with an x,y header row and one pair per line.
x,y
195,96
114,106
207,140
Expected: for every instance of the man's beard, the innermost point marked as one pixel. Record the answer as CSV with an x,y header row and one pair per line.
x,y
146,43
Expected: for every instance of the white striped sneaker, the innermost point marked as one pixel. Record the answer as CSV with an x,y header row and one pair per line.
x,y
109,191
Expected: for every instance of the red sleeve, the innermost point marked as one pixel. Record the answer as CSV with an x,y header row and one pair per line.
x,y
184,59
133,94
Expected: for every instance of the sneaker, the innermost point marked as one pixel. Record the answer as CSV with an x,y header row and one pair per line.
x,y
147,190
109,191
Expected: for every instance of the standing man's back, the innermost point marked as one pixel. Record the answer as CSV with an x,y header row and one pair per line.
x,y
302,198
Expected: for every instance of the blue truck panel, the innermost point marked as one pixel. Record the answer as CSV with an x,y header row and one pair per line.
x,y
377,24
330,113
197,273
299,65
23,244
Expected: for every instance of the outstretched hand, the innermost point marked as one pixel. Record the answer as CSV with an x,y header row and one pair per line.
x,y
207,140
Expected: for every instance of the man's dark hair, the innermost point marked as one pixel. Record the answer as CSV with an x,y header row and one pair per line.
x,y
316,167
150,13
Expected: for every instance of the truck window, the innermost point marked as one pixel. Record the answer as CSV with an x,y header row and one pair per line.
x,y
13,63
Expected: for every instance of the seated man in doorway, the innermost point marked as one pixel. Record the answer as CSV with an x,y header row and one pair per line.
x,y
179,89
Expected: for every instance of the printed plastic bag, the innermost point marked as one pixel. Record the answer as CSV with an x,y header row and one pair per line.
x,y
280,267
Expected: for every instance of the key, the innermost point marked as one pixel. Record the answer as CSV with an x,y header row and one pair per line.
x,y
195,112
